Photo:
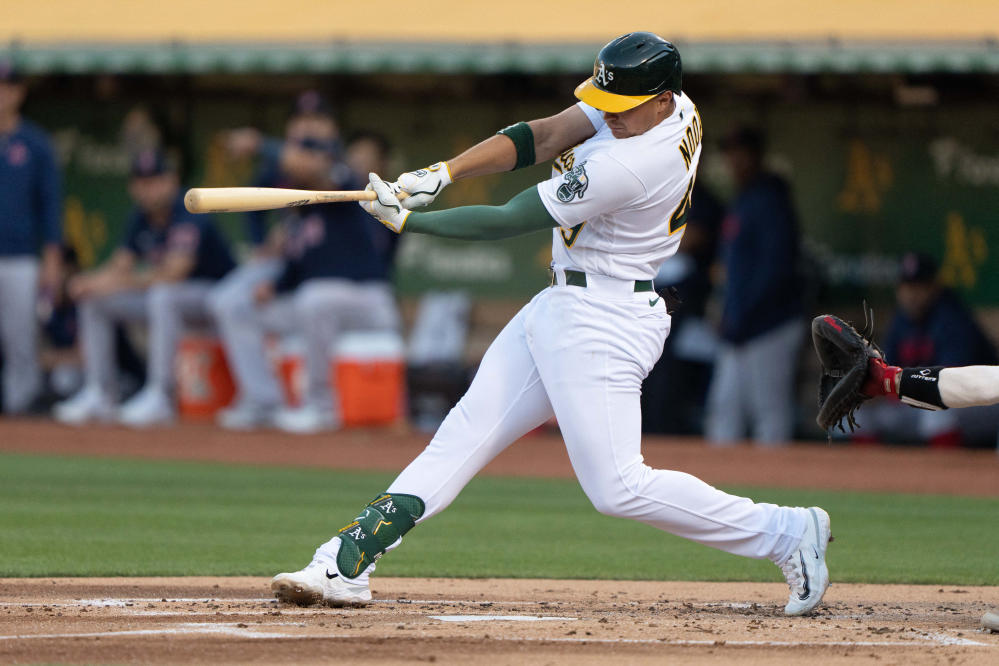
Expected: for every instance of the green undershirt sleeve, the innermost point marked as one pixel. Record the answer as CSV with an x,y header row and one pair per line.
x,y
520,215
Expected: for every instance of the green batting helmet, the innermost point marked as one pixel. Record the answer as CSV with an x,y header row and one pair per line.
x,y
631,70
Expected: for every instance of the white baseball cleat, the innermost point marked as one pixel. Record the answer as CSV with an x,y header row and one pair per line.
x,y
89,404
148,407
806,570
319,584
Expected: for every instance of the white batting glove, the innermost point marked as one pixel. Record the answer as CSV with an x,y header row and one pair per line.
x,y
387,208
423,185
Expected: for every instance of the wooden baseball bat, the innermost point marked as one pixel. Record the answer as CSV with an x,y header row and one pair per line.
x,y
239,199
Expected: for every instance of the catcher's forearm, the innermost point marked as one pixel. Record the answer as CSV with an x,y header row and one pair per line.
x,y
968,386
522,214
934,387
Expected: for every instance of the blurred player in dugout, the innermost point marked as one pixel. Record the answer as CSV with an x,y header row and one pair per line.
x,y
30,209
931,327
761,328
321,271
160,274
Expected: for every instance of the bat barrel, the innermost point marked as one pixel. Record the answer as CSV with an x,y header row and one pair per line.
x,y
242,199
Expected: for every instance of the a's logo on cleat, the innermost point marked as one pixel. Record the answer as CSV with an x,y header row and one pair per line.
x,y
331,576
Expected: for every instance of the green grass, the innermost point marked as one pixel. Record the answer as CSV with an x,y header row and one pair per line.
x,y
97,517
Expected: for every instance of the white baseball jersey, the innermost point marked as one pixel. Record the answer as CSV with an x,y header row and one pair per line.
x,y
621,204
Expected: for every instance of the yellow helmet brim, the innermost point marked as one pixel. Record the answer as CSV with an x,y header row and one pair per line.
x,y
588,92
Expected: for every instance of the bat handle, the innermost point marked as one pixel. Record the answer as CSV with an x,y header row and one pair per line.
x,y
369,195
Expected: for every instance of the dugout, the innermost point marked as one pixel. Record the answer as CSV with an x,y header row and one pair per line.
x,y
880,114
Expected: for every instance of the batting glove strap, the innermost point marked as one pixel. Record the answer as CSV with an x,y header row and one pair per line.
x,y
387,208
423,185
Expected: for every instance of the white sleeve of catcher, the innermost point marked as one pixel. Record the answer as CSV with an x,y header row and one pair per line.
x,y
969,386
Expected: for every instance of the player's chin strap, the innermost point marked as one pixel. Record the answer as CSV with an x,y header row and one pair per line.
x,y
383,523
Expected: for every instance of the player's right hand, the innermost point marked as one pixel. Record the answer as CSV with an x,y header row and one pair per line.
x,y
423,185
387,208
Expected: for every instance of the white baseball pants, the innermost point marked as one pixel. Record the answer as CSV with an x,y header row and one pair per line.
x,y
166,307
581,354
320,310
18,331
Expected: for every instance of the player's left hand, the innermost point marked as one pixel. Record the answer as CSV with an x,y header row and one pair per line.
x,y
386,208
423,185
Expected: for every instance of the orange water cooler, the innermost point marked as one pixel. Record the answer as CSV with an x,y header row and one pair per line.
x,y
369,371
204,383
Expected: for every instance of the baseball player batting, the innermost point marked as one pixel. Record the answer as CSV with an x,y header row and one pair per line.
x,y
625,158
854,370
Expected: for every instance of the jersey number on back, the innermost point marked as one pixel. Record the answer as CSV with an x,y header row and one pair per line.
x,y
678,220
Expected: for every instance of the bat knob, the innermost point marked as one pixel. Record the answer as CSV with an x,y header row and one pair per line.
x,y
192,201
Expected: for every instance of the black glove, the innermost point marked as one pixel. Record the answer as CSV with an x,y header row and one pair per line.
x,y
844,353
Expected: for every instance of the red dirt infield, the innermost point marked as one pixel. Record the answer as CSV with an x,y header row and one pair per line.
x,y
233,620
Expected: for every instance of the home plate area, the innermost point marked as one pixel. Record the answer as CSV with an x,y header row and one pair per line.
x,y
231,620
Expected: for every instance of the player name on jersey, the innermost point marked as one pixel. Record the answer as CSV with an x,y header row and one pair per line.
x,y
691,139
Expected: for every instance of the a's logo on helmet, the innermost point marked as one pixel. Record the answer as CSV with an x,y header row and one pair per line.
x,y
576,182
603,77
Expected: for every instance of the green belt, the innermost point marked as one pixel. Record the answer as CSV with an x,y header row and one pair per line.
x,y
578,279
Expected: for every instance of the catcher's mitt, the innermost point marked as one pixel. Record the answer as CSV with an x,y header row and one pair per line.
x,y
844,353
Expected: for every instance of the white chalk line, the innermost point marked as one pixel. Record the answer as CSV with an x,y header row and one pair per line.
x,y
402,600
944,639
499,618
116,603
122,603
293,611
164,631
730,604
937,640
